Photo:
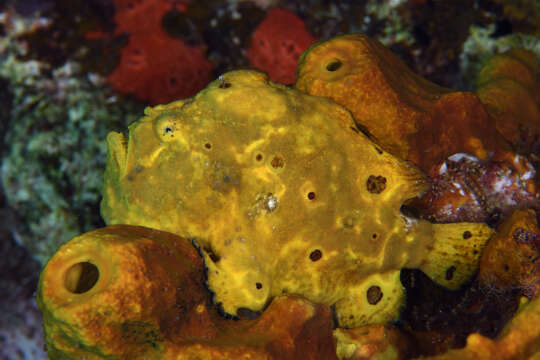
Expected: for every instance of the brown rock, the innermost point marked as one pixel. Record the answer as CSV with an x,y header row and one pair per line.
x,y
463,188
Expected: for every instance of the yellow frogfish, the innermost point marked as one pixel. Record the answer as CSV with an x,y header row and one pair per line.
x,y
282,193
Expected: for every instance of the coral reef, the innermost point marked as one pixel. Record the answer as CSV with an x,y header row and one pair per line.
x,y
261,167
412,118
276,45
131,292
50,60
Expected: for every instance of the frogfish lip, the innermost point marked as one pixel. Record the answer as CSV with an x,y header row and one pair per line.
x,y
117,151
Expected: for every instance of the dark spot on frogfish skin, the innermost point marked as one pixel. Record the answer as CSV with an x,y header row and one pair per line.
x,y
374,295
466,234
450,273
315,255
376,184
277,162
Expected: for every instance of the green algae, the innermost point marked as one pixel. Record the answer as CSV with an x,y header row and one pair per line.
x,y
55,147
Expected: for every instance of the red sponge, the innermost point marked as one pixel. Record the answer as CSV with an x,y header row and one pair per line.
x,y
159,69
154,66
277,43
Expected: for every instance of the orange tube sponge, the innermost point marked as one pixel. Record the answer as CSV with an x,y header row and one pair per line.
x,y
128,292
510,260
408,115
508,86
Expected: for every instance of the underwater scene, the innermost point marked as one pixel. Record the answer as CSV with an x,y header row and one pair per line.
x,y
269,179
